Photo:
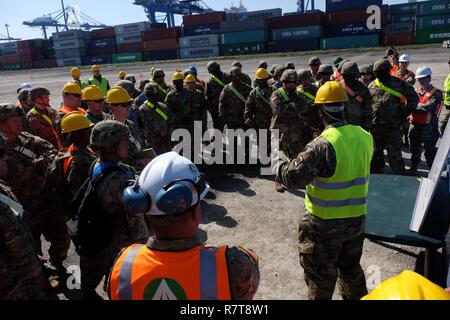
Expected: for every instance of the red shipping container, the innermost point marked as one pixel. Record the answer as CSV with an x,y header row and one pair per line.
x,y
205,18
356,15
129,47
50,63
399,39
158,45
160,34
103,33
27,59
101,51
297,20
12,59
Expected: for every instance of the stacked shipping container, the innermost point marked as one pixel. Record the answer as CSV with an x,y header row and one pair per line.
x,y
70,47
400,30
129,42
101,47
433,21
161,44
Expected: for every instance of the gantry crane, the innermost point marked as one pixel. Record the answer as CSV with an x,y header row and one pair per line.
x,y
301,7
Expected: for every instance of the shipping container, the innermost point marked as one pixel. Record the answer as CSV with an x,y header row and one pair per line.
x,y
170,33
160,55
396,28
103,33
102,59
428,22
293,46
69,44
127,57
26,60
129,38
30,51
202,19
403,9
102,43
398,39
250,15
132,28
9,52
202,29
403,19
297,20
9,45
341,5
129,47
11,66
41,64
244,37
312,32
34,43
243,48
70,53
158,25
99,52
27,64
243,25
350,42
71,35
429,8
348,29
10,59
158,45
354,15
435,35
202,52
209,40
72,62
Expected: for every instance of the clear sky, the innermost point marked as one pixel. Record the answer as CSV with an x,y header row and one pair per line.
x,y
112,12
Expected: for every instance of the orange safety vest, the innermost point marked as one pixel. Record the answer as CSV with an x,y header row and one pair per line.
x,y
66,110
36,112
200,273
405,76
425,117
394,69
67,161
351,92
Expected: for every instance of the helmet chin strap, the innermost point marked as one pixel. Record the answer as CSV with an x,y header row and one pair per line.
x,y
323,109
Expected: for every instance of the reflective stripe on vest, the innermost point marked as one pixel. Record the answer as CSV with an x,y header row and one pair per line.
x,y
217,80
284,94
162,89
447,91
136,143
260,95
424,117
351,92
15,207
68,160
66,110
306,93
50,122
237,93
103,85
157,110
140,273
391,91
26,152
344,195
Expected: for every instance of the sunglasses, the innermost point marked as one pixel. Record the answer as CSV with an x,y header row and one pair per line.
x,y
99,101
123,105
74,94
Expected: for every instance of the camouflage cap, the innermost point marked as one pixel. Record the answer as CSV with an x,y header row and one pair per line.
x,y
151,89
272,69
337,61
23,94
366,68
341,64
326,69
158,73
279,71
304,74
131,78
235,72
314,61
382,65
38,92
262,64
289,76
237,64
350,69
212,65
109,132
290,65
127,85
8,111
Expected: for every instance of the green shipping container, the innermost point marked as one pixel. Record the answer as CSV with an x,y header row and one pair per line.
x,y
372,40
127,57
244,37
311,32
11,66
435,35
427,22
434,7
242,48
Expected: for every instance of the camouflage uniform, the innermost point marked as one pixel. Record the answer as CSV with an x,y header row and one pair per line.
x,y
231,107
314,61
388,112
213,92
329,249
258,111
41,128
367,69
21,274
163,89
78,169
409,77
309,95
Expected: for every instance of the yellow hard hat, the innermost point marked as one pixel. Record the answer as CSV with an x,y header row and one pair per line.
x,y
190,79
75,72
75,121
331,93
122,74
408,286
262,74
95,68
92,93
118,95
72,88
177,76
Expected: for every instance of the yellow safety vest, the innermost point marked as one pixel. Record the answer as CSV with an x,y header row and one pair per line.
x,y
344,195
157,110
103,85
447,91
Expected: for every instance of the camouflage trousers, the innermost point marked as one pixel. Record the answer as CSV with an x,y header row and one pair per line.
x,y
389,138
426,135
443,119
293,143
331,250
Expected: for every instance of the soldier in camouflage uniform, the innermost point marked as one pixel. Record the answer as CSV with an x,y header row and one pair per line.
x,y
198,84
232,101
290,110
163,88
388,111
21,274
245,78
24,104
366,73
359,107
176,103
324,74
314,65
276,82
111,141
213,89
331,236
28,160
153,121
175,235
309,90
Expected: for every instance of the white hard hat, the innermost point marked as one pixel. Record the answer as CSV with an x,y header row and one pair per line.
x,y
25,85
173,184
423,72
404,58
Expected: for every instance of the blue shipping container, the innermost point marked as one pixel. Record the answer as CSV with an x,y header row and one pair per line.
x,y
244,37
348,29
160,55
101,59
350,42
292,46
402,19
312,32
403,9
103,43
203,29
341,5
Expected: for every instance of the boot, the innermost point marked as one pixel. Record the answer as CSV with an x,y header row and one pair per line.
x,y
279,187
